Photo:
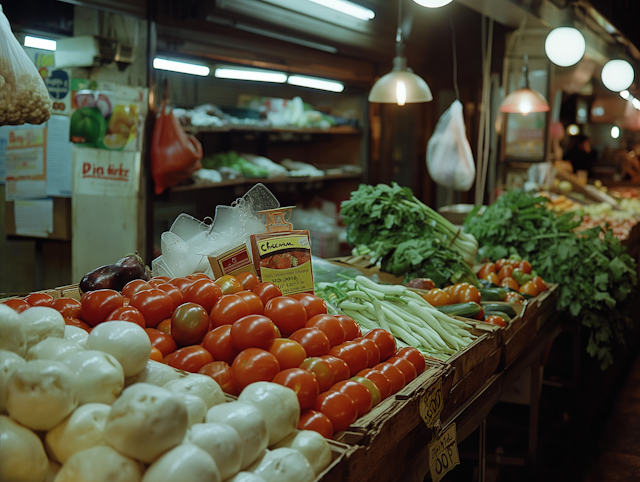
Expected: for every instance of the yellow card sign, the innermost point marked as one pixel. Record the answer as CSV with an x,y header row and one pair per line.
x,y
443,453
431,405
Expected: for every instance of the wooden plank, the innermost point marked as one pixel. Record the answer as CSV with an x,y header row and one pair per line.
x,y
337,469
519,341
547,305
488,341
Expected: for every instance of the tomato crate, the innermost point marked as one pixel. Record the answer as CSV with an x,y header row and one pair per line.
x,y
337,469
489,341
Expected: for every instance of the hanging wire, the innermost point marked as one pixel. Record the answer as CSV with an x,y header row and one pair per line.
x,y
455,60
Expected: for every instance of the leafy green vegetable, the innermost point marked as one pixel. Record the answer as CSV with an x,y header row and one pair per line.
x,y
234,160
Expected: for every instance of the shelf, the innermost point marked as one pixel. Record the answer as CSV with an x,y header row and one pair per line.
x,y
277,130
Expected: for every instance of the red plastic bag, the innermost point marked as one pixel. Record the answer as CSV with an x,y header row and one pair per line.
x,y
175,155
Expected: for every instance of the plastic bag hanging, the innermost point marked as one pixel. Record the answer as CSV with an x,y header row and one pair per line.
x,y
23,96
449,158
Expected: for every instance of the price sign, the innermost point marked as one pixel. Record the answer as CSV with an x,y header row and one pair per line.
x,y
443,453
431,405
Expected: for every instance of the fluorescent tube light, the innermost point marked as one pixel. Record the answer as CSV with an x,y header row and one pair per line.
x,y
315,83
39,43
348,8
256,75
182,67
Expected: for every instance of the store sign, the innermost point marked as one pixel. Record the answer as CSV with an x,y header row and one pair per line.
x,y
431,405
99,172
443,453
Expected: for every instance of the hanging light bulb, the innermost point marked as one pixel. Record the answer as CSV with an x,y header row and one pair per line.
x,y
526,100
401,93
433,3
565,46
617,75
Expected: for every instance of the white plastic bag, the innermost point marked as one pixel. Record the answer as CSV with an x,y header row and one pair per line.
x,y
449,158
23,96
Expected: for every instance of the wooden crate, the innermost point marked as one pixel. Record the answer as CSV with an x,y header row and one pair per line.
x,y
337,469
547,305
489,341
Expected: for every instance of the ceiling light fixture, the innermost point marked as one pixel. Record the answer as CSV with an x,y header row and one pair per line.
x,y
524,101
625,94
314,83
39,43
348,8
617,75
565,46
433,3
615,132
247,74
181,67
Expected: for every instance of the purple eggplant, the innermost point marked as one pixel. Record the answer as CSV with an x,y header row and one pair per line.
x,y
116,276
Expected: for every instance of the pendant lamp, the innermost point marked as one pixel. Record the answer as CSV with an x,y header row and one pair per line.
x,y
400,86
526,100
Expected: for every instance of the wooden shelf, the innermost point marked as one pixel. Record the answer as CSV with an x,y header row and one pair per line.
x,y
278,130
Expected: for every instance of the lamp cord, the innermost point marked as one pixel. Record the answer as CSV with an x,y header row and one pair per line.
x,y
455,60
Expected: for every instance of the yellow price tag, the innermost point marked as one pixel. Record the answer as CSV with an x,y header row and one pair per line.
x,y
443,453
431,405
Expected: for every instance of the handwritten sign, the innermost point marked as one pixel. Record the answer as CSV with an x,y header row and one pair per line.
x,y
431,405
443,453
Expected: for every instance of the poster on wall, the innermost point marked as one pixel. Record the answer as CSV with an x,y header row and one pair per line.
x,y
99,172
25,163
58,81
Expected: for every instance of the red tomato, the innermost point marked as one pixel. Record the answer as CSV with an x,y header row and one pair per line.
x,y
339,408
229,284
189,324
385,341
174,293
154,304
330,326
221,372
190,358
373,353
218,343
253,331
486,269
351,328
414,356
496,320
437,297
529,288
159,280
76,322
248,280
165,326
405,366
353,354
493,277
127,313
510,283
180,283
376,398
313,305
316,421
17,304
505,272
287,313
393,373
156,355
470,293
379,380
502,262
161,341
197,276
357,392
539,284
97,305
254,365
133,286
525,266
314,342
322,371
68,307
266,291
203,292
253,300
39,299
289,353
228,310
302,382
339,367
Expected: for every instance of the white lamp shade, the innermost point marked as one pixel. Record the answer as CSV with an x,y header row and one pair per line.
x,y
433,3
617,75
524,101
400,87
565,46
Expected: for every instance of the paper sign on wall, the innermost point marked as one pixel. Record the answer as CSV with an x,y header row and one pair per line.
x,y
34,217
25,163
99,172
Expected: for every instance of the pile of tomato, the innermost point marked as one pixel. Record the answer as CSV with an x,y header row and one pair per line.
x,y
516,275
240,331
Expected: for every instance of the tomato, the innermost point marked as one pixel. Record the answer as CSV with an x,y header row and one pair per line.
x,y
496,320
525,266
203,292
253,300
228,310
16,304
339,408
254,365
190,358
506,272
253,331
539,283
350,327
154,304
393,373
330,326
529,288
514,298
357,392
189,324
39,299
373,352
502,262
127,313
97,305
406,367
339,367
289,353
470,293
229,284
314,342
174,293
510,283
381,382
68,307
165,326
287,313
197,276
156,355
438,297
313,305
385,341
371,388
316,421
248,280
353,354
161,341
266,291
421,284
76,322
322,371
218,343
457,291
159,280
133,286
180,283
221,372
493,278
414,356
486,269
302,382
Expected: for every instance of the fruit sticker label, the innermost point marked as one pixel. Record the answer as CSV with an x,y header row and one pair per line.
x,y
443,453
99,172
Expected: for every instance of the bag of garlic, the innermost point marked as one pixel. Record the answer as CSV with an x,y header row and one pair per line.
x,y
23,96
449,158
